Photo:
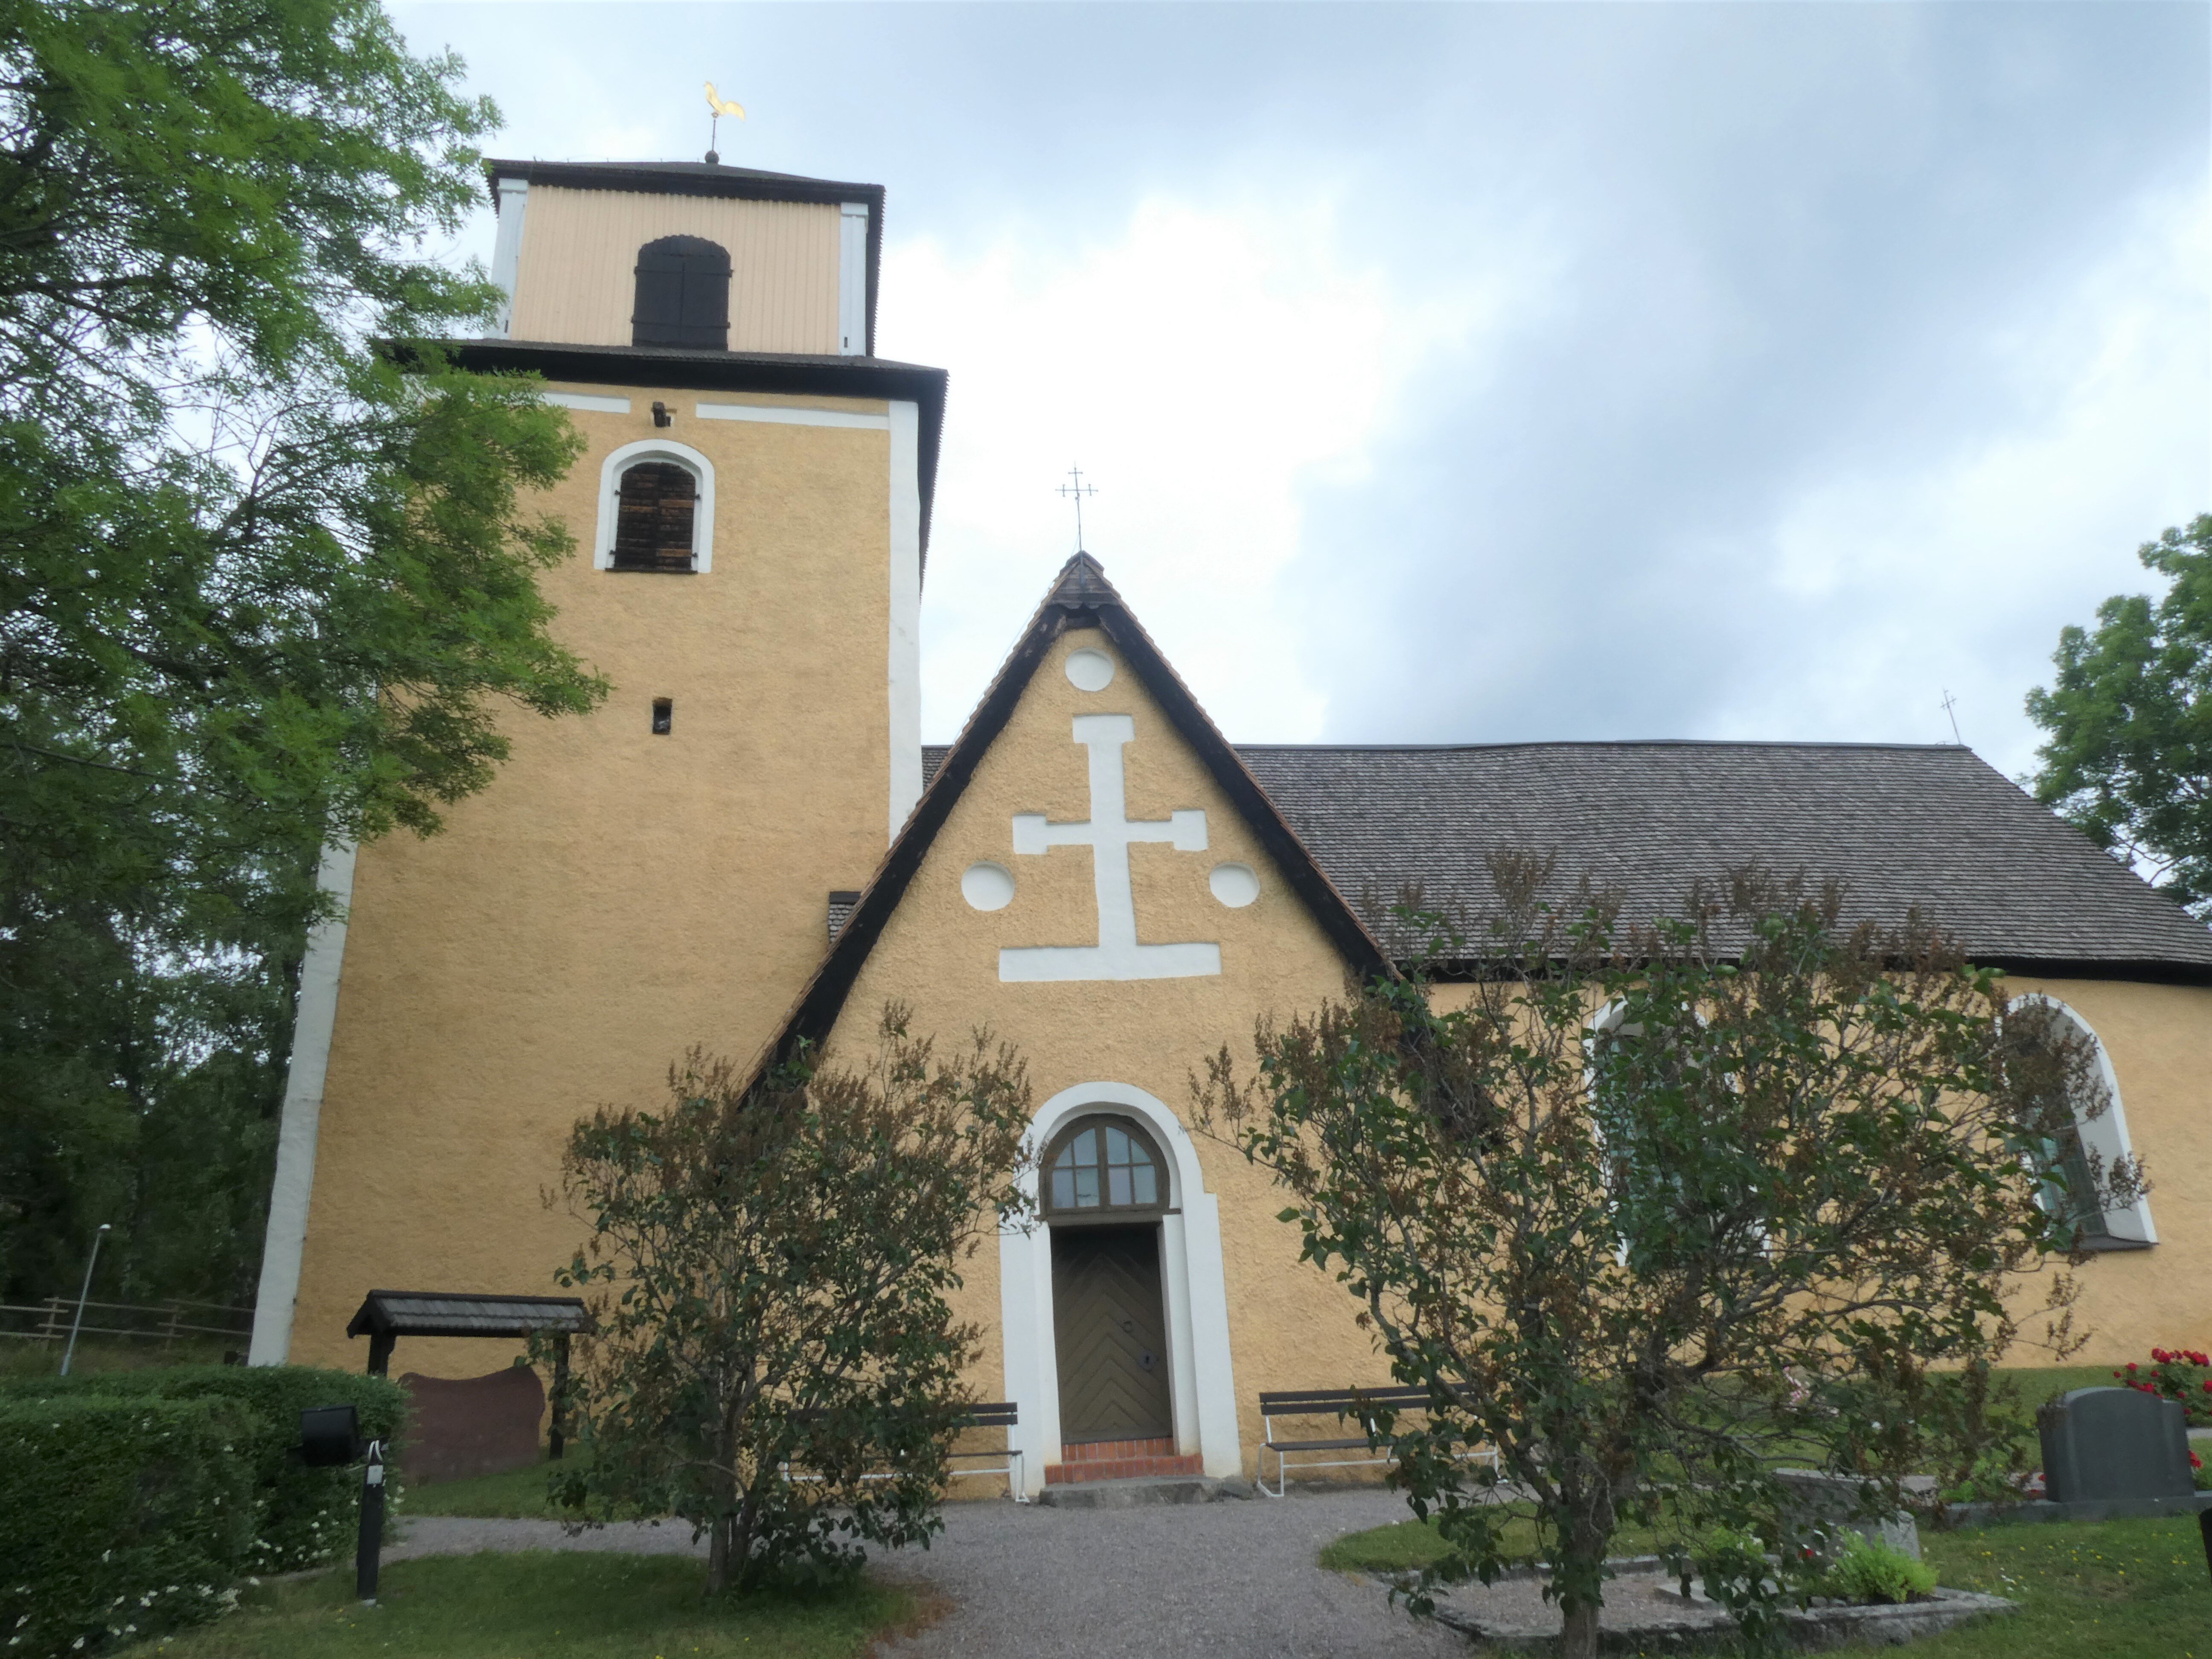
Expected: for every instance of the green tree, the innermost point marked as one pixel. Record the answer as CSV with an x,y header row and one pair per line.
x,y
2129,718
1649,1210
776,1360
264,582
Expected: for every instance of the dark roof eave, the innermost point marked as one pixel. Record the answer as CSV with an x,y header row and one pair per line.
x,y
2132,970
685,179
787,372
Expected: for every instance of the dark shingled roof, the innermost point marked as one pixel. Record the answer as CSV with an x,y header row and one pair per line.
x,y
450,1313
1899,826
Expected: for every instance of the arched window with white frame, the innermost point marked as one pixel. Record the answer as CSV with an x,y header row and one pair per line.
x,y
656,509
2062,1067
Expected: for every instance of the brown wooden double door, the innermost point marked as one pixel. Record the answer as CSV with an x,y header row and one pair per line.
x,y
1110,1334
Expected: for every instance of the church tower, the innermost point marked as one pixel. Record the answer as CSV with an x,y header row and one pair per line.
x,y
751,514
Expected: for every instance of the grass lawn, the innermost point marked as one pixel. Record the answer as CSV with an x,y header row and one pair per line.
x,y
1407,1544
539,1605
2112,1589
519,1494
2039,1383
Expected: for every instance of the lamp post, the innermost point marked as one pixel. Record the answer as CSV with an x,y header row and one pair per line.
x,y
83,1290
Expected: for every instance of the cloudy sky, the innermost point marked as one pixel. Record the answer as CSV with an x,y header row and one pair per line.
x,y
1479,373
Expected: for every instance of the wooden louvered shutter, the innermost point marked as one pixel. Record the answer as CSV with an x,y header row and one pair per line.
x,y
683,294
653,518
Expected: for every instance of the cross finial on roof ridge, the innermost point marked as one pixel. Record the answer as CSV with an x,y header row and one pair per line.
x,y
1082,585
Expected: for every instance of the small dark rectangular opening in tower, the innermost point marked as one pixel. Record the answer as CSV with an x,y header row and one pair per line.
x,y
664,715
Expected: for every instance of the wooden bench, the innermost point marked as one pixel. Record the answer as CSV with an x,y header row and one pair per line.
x,y
1361,1404
997,1414
992,1415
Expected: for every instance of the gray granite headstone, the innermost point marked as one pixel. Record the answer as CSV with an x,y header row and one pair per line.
x,y
1832,1505
2100,1444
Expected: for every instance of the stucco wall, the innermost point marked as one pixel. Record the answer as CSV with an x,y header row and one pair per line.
x,y
1291,1327
614,897
576,279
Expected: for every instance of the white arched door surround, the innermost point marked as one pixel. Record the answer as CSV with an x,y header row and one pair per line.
x,y
2107,1134
656,449
1201,1385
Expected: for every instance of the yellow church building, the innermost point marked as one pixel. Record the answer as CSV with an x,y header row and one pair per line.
x,y
749,844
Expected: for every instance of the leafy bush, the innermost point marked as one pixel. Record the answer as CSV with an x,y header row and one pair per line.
x,y
119,1518
303,1516
1871,1571
771,1269
2182,1374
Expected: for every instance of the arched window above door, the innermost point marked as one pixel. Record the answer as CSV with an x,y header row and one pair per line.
x,y
683,294
1104,1165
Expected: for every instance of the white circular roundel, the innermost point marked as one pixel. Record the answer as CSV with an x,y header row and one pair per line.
x,y
990,886
1090,670
1234,885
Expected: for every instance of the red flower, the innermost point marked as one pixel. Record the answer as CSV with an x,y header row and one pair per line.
x,y
2131,1365
2208,1385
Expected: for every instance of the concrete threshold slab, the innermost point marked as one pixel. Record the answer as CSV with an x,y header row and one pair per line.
x,y
1141,1493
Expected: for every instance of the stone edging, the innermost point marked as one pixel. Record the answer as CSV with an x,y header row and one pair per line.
x,y
1703,1624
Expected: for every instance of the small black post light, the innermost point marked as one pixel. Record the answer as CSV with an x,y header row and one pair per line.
x,y
2204,1526
664,716
368,1553
661,416
329,1438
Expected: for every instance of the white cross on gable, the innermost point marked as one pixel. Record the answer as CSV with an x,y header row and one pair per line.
x,y
1108,834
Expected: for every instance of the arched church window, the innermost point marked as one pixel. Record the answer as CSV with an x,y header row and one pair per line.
x,y
1100,1164
683,294
2063,1085
656,517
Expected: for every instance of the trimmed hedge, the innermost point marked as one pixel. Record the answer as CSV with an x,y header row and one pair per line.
x,y
118,1518
304,1516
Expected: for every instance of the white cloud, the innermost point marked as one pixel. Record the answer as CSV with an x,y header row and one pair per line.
x,y
1960,571
1203,368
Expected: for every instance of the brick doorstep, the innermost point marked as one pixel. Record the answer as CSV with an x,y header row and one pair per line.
x,y
1109,1451
1119,1468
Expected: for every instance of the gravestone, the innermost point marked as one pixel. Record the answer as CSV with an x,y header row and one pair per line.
x,y
1833,1505
2106,1444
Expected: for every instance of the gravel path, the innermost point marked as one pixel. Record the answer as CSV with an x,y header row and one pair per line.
x,y
1228,1578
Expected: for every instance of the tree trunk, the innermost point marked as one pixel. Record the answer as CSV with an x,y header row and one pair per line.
x,y
1578,1634
718,1553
